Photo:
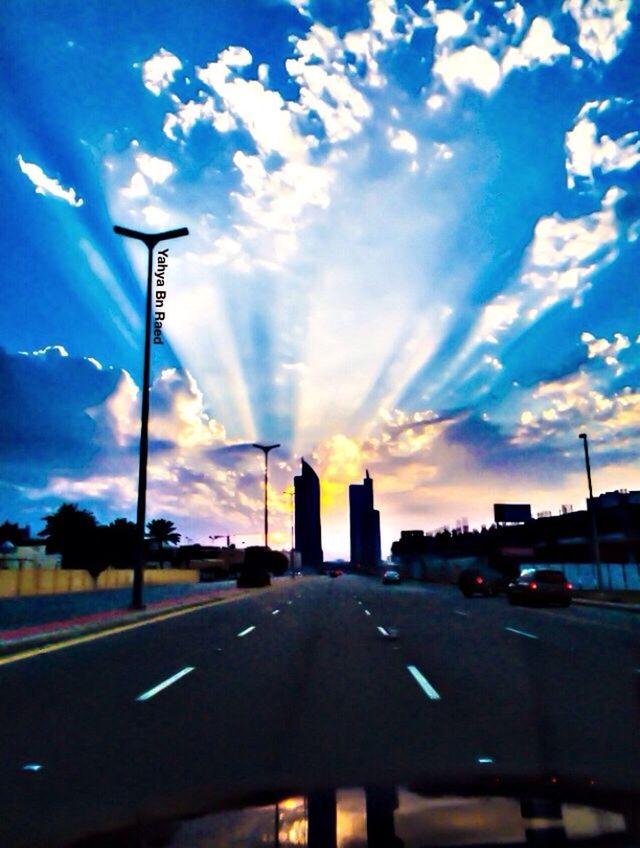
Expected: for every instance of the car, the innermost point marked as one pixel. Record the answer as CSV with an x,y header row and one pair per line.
x,y
540,587
336,572
475,581
391,576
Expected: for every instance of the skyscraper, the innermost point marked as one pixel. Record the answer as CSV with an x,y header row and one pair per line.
x,y
364,523
307,517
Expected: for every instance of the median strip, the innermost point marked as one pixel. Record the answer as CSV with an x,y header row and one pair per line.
x,y
423,683
521,632
151,692
248,630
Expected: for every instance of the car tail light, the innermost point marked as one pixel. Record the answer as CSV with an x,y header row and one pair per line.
x,y
479,580
533,585
568,585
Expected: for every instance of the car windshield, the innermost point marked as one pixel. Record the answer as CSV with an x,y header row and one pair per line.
x,y
319,406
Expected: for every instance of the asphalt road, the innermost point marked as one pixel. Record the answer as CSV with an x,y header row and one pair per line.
x,y
297,686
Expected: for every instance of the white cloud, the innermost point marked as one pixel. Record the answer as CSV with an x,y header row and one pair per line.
x,y
471,66
159,70
587,151
236,57
155,169
402,140
602,25
47,185
450,24
537,47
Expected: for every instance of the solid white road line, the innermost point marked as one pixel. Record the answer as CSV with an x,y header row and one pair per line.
x,y
275,612
460,612
521,632
423,683
366,612
151,692
248,630
383,631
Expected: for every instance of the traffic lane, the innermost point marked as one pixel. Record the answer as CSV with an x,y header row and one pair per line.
x,y
75,713
520,686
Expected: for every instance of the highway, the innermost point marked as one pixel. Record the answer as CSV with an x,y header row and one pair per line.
x,y
303,685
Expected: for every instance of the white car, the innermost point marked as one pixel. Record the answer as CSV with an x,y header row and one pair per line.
x,y
391,576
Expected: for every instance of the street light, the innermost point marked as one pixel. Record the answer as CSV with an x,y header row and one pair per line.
x,y
595,548
266,449
151,240
291,491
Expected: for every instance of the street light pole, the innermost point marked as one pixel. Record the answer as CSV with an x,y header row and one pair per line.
x,y
266,449
150,240
595,548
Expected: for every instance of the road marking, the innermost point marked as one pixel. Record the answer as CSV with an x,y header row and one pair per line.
x,y
366,612
424,684
248,630
275,612
521,632
32,767
360,602
151,692
383,631
484,760
289,602
460,612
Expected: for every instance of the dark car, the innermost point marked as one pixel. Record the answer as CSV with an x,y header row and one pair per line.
x,y
391,576
336,572
473,581
540,587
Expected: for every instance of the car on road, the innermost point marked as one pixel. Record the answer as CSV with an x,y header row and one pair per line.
x,y
475,581
391,576
540,587
336,572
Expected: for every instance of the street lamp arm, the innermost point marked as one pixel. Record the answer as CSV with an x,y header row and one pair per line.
x,y
151,239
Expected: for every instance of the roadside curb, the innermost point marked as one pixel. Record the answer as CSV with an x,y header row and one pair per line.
x,y
607,605
45,639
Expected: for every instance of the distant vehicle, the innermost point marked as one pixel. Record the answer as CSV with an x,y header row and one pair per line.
x,y
391,576
540,587
336,572
474,581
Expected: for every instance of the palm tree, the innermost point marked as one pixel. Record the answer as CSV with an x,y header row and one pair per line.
x,y
71,531
162,530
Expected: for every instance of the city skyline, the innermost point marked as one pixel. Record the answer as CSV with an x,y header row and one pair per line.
x,y
413,235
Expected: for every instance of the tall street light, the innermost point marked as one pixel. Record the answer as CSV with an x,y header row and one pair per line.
x,y
595,548
266,449
151,240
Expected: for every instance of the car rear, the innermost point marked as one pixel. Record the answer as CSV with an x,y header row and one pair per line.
x,y
541,587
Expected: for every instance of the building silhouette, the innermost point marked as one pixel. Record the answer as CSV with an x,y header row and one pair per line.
x,y
364,523
308,529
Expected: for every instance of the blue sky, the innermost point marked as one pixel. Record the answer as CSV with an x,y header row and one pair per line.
x,y
413,241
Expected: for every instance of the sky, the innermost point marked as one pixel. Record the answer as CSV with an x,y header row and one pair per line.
x,y
413,243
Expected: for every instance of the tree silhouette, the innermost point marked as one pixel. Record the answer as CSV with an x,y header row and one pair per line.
x,y
161,530
121,543
72,532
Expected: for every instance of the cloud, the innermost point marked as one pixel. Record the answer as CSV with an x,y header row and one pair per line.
x,y
469,67
602,25
538,47
47,185
402,140
159,70
588,151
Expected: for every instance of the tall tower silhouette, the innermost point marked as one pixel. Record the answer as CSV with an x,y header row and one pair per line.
x,y
307,517
364,525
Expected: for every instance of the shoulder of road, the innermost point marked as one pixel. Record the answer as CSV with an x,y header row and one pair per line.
x,y
32,636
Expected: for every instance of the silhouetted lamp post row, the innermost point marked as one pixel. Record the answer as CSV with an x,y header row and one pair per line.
x,y
151,240
266,449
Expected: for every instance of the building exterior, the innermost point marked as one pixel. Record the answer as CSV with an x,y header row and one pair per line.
x,y
308,530
364,524
27,556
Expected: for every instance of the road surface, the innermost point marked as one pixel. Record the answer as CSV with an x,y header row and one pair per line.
x,y
302,686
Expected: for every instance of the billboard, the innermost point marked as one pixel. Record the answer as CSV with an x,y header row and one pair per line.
x,y
511,513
